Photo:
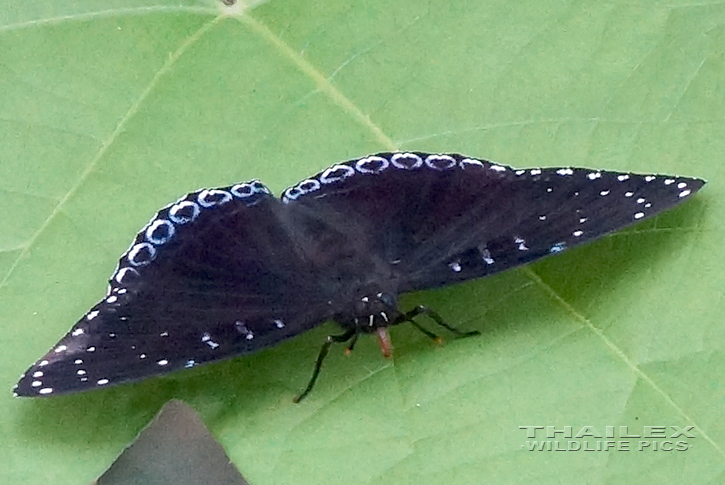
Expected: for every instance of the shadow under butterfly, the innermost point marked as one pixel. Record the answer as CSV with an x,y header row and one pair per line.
x,y
228,271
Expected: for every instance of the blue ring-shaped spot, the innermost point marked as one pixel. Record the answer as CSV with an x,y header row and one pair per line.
x,y
243,191
259,187
184,212
126,276
141,254
440,162
336,173
371,165
406,161
160,232
307,186
211,197
472,162
291,194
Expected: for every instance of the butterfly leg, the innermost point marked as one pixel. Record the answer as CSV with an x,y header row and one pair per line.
x,y
331,339
420,309
352,343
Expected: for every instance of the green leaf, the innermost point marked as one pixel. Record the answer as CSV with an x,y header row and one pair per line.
x,y
111,111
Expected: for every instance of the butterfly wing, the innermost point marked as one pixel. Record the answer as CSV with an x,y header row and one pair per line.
x,y
440,219
214,275
224,272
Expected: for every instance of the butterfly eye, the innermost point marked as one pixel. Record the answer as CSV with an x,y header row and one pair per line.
x,y
387,299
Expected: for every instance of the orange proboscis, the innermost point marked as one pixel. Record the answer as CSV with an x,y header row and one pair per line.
x,y
386,346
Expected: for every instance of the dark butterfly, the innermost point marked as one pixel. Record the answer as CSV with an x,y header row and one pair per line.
x,y
228,271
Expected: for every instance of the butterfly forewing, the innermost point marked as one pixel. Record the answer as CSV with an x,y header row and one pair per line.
x,y
214,275
440,219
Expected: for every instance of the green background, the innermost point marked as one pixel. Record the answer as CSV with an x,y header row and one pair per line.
x,y
110,110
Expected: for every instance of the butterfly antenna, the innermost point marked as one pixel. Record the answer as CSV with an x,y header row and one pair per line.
x,y
331,339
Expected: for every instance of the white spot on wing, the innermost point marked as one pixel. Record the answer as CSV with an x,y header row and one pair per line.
x,y
557,248
486,256
207,339
521,243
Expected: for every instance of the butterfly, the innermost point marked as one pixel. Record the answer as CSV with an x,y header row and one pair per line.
x,y
227,271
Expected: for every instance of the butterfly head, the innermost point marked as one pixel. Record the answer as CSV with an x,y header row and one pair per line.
x,y
369,310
